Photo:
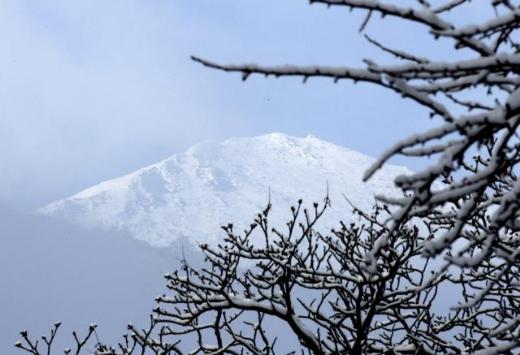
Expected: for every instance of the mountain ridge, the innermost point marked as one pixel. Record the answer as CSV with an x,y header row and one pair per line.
x,y
190,194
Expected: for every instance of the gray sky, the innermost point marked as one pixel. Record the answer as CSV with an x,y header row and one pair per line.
x,y
95,89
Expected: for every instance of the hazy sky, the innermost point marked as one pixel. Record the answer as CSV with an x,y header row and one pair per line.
x,y
91,90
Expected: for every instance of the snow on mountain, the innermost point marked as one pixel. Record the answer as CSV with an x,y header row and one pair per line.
x,y
190,195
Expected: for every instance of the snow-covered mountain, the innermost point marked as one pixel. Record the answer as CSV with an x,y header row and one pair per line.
x,y
190,195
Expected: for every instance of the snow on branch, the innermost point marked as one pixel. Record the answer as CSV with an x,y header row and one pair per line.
x,y
315,287
470,189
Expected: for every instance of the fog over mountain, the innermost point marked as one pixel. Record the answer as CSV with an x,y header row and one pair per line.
x,y
189,195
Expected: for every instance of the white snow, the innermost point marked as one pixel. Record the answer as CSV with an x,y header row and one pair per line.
x,y
190,195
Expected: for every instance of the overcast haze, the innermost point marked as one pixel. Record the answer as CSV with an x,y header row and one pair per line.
x,y
95,89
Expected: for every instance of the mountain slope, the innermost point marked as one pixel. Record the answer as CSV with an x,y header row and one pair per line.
x,y
190,195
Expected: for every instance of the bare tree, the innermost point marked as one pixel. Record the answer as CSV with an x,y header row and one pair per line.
x,y
471,189
136,341
314,288
312,283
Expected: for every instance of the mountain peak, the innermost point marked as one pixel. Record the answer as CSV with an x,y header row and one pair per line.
x,y
190,195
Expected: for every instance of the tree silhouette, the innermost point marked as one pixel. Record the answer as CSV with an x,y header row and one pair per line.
x,y
315,287
471,190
